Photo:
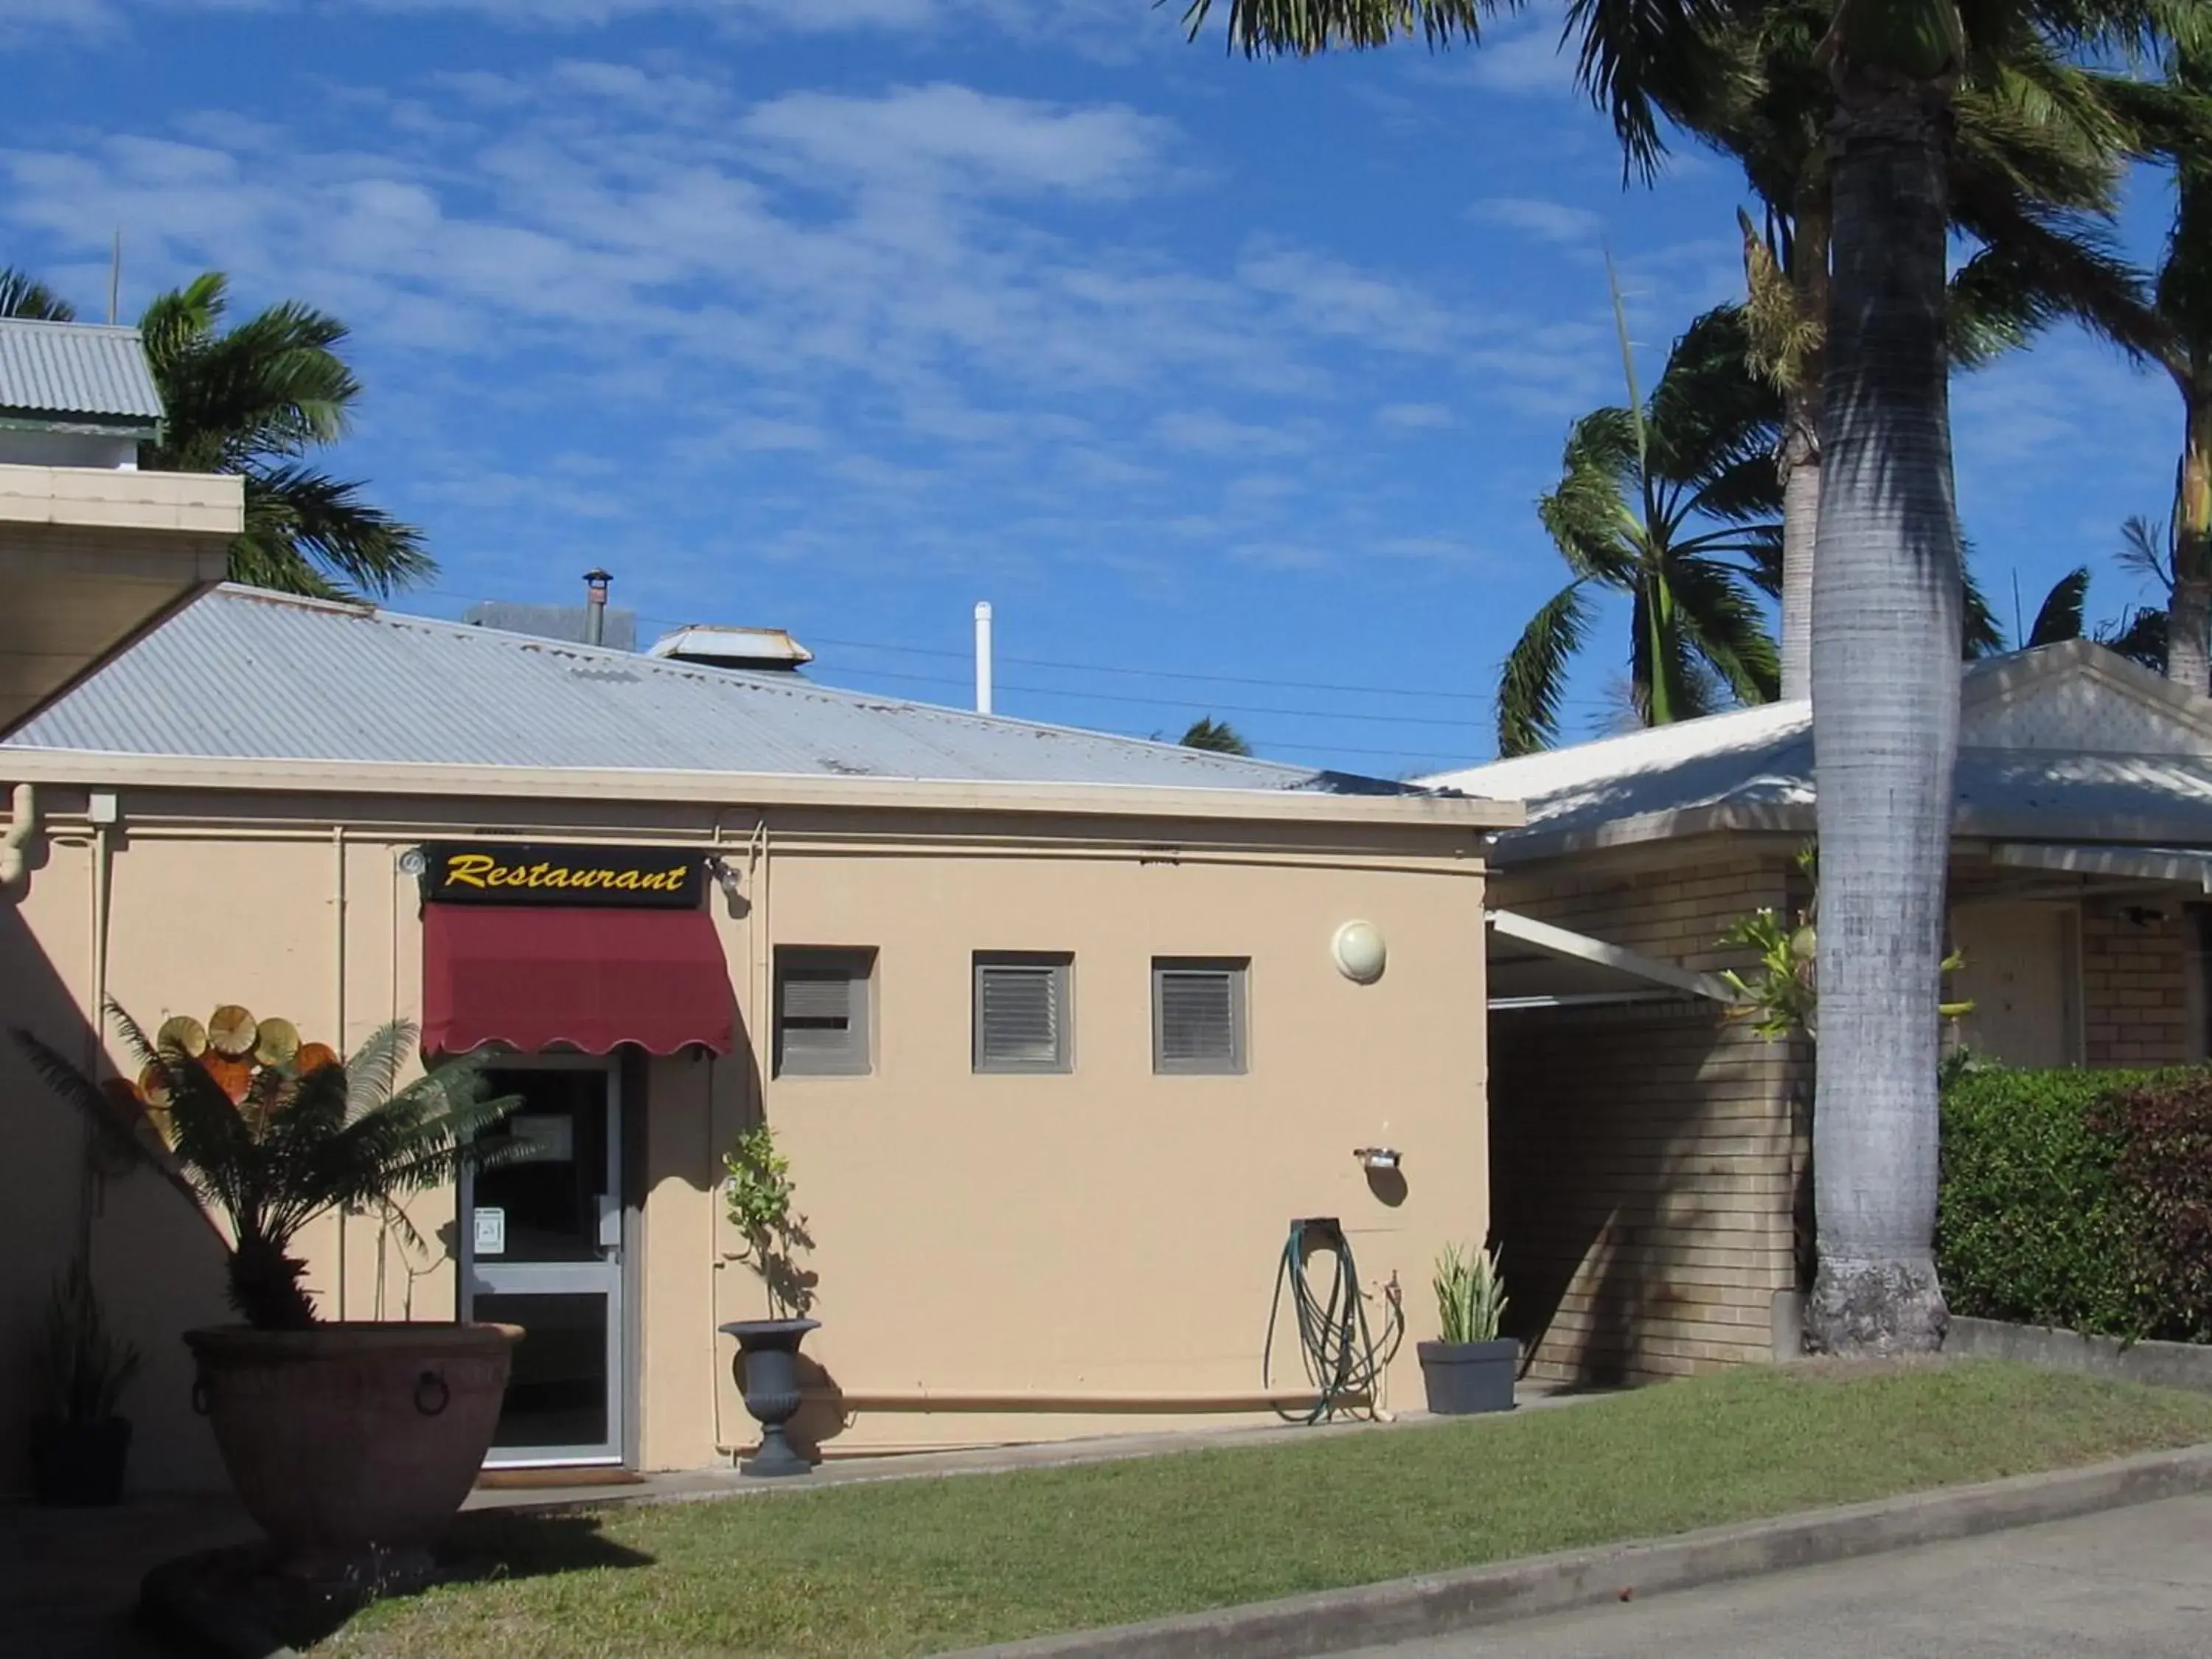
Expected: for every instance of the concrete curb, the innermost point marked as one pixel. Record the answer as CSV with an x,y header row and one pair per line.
x,y
1438,1604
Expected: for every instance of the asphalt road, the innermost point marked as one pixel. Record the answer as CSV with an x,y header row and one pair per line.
x,y
2133,1583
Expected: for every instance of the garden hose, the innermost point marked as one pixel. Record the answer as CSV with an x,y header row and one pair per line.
x,y
1343,1360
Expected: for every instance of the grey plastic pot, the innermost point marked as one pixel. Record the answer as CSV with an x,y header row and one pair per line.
x,y
1462,1378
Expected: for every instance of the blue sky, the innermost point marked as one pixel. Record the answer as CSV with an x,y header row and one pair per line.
x,y
841,315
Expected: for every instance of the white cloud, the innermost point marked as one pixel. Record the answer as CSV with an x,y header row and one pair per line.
x,y
1205,432
955,138
30,22
1416,417
1546,222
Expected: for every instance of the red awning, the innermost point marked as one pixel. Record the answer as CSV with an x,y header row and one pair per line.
x,y
535,978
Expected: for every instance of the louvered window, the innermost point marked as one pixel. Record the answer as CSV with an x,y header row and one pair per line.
x,y
1198,1015
821,1011
1021,1013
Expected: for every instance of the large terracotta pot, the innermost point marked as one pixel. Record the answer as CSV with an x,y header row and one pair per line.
x,y
352,1445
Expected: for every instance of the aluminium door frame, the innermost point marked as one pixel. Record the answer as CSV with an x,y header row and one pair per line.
x,y
606,1276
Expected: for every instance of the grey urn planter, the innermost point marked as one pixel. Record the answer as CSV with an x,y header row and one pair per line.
x,y
768,1370
1462,1378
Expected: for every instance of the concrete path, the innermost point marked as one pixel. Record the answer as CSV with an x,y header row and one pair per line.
x,y
2132,1583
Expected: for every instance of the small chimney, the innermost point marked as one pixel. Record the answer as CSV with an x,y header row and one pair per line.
x,y
983,656
595,606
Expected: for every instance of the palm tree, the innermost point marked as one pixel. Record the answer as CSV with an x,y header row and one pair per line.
x,y
1217,736
250,1126
255,400
1886,612
2177,324
2033,177
1653,502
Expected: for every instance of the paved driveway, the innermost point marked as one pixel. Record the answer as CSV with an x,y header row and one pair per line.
x,y
2133,1583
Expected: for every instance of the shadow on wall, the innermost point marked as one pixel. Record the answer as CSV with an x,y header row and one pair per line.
x,y
1626,1207
158,1270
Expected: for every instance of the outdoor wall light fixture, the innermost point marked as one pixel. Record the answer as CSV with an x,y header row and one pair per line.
x,y
1377,1157
1359,952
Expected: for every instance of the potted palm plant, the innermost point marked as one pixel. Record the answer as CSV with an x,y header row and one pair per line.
x,y
349,1444
1470,1368
80,1445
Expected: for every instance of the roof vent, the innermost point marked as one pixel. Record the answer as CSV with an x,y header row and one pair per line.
x,y
756,650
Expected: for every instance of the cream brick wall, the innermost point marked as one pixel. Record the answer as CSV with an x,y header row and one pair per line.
x,y
1646,1160
2136,988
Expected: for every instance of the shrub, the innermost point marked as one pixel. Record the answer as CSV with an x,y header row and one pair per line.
x,y
2079,1199
2163,1178
2027,1224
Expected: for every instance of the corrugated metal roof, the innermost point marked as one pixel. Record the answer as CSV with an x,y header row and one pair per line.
x,y
1758,764
75,369
241,674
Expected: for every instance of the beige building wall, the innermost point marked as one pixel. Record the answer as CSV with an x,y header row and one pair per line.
x,y
1647,1159
1107,1238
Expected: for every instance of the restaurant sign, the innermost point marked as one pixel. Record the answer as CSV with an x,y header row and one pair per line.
x,y
630,877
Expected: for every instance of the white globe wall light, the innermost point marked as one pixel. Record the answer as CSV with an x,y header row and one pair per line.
x,y
1359,952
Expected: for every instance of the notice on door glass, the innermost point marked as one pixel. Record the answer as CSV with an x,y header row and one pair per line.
x,y
491,1231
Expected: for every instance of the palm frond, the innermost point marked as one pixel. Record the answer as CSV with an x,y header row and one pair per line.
x,y
2059,617
253,400
1304,28
1710,411
23,295
1588,516
1646,62
1533,683
2148,551
2140,636
300,520
1980,633
127,1131
1717,613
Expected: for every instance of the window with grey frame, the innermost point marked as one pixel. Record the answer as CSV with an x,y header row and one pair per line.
x,y
822,1013
1199,1014
1021,1012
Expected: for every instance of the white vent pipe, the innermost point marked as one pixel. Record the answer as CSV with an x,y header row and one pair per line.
x,y
983,656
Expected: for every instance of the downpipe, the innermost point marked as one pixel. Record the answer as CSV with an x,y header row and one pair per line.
x,y
15,841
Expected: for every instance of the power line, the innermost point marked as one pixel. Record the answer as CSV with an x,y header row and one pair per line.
x,y
1069,667
1173,702
1160,673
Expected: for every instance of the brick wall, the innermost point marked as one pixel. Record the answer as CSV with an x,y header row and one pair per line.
x,y
2135,987
1646,1160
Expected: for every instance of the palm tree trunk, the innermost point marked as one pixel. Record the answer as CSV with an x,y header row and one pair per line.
x,y
2190,614
1800,457
1886,623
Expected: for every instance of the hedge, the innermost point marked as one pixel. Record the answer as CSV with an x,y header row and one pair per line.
x,y
2080,1198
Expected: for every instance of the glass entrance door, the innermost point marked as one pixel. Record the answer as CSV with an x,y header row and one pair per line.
x,y
541,1241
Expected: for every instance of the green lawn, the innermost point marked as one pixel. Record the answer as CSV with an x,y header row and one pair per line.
x,y
919,1566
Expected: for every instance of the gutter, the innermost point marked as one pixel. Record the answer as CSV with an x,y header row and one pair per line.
x,y
755,790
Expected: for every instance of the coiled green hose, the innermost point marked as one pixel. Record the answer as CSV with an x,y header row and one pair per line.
x,y
1343,1361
